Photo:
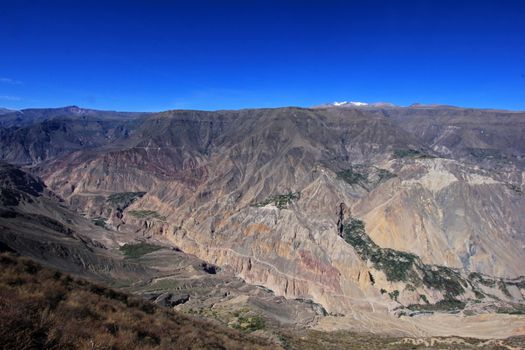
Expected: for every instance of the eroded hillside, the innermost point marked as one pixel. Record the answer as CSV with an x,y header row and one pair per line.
x,y
397,212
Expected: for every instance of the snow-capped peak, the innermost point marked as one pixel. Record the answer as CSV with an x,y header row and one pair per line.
x,y
353,103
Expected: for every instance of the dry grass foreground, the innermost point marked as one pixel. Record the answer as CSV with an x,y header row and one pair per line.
x,y
42,308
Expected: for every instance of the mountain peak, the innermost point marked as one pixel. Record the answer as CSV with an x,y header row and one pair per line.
x,y
358,104
351,103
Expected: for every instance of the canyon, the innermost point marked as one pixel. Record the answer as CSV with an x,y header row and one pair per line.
x,y
401,221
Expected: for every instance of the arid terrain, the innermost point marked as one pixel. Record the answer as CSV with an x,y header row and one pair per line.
x,y
334,226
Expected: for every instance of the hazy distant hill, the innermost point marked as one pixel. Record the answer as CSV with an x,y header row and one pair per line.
x,y
34,115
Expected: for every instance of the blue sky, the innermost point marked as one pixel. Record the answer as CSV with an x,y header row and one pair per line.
x,y
158,55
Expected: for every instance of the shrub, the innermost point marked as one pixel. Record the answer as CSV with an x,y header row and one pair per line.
x,y
410,153
486,281
364,175
139,249
250,324
353,176
101,222
281,201
442,305
122,200
443,278
385,174
511,309
394,295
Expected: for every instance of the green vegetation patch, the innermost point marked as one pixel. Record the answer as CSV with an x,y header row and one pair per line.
x,y
397,266
146,214
242,319
402,266
518,282
164,284
502,284
353,176
394,295
511,309
101,222
250,323
484,280
410,288
122,200
136,250
410,153
281,201
384,174
364,175
444,279
442,305
408,268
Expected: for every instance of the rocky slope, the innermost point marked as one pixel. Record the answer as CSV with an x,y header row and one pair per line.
x,y
34,222
43,309
380,210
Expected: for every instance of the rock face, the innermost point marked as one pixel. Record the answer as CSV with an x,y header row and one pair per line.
x,y
359,210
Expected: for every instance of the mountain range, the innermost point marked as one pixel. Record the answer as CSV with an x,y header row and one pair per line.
x,y
400,221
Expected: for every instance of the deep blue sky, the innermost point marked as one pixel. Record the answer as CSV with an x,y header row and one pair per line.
x,y
157,55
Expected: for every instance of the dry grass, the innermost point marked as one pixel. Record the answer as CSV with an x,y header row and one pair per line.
x,y
43,308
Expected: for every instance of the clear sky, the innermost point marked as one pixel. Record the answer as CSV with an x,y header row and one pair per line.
x,y
158,55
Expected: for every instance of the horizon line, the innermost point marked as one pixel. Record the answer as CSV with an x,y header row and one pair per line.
x,y
374,105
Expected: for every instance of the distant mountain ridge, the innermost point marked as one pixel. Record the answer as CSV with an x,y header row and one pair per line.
x,y
28,116
388,105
